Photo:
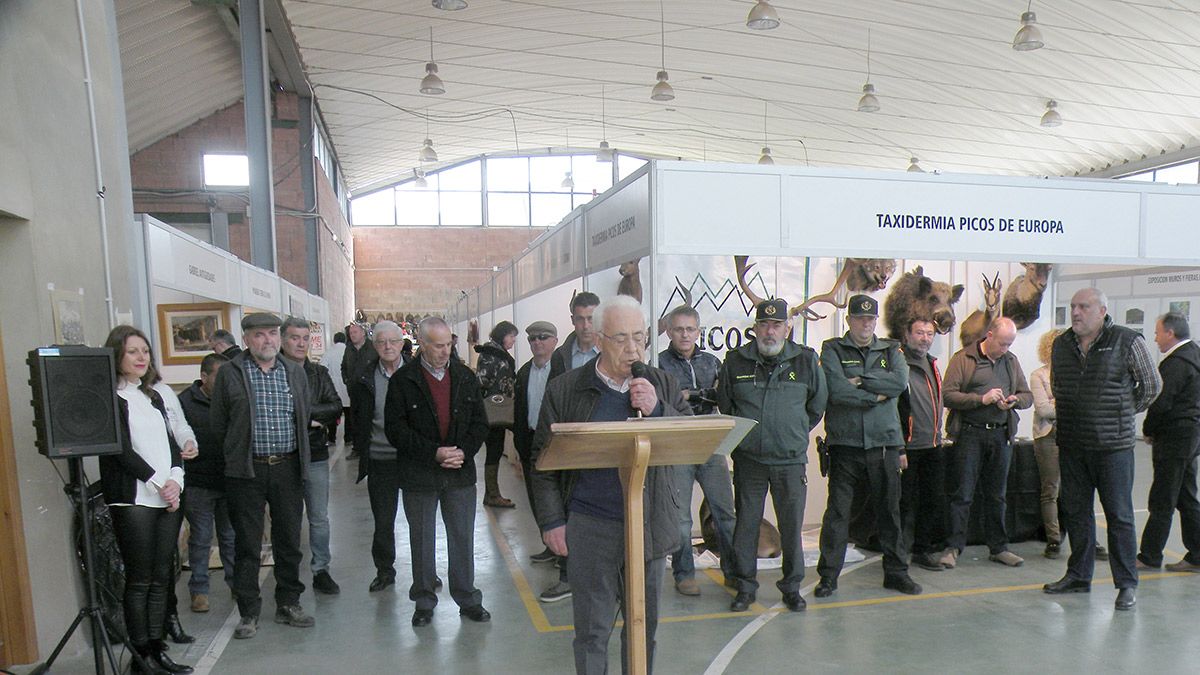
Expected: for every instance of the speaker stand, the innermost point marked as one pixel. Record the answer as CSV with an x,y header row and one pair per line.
x,y
101,643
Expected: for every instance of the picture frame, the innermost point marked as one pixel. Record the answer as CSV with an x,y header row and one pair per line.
x,y
67,308
185,329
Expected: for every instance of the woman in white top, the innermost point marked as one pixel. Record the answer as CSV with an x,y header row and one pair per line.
x,y
142,487
1045,448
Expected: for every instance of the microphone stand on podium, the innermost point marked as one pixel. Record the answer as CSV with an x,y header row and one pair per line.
x,y
632,447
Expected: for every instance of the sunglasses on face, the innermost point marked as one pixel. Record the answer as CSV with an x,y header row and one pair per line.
x,y
539,337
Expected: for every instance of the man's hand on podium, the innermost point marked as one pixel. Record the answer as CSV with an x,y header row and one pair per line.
x,y
642,395
450,457
556,539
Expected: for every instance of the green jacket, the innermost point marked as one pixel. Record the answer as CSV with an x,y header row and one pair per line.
x,y
786,396
855,416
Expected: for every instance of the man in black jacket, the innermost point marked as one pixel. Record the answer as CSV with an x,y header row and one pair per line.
x,y
1102,375
204,501
377,458
259,410
324,409
1173,428
580,346
601,390
923,483
359,350
434,418
529,391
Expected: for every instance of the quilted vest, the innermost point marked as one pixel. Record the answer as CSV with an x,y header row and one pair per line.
x,y
1094,393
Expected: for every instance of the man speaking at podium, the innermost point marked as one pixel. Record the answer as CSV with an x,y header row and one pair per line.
x,y
605,390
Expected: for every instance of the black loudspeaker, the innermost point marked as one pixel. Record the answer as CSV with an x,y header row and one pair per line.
x,y
74,401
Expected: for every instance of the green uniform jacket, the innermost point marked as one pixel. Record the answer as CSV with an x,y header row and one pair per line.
x,y
855,416
786,395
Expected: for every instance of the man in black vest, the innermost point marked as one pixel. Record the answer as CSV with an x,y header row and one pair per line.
x,y
1172,427
1101,375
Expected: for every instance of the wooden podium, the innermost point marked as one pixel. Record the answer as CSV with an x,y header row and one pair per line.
x,y
632,447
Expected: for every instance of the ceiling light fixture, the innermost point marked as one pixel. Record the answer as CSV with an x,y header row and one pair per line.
x,y
1029,37
428,154
605,153
431,83
765,157
762,16
569,182
868,103
420,181
1051,118
914,166
662,91
449,5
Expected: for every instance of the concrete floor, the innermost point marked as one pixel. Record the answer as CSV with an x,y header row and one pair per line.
x,y
979,616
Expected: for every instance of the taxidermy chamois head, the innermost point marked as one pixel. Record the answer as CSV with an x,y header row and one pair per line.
x,y
976,325
1023,301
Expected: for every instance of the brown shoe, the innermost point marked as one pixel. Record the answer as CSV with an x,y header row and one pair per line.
x,y
1184,566
199,602
499,502
1007,558
687,587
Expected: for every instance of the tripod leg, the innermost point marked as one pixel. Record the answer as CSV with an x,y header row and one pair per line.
x,y
45,667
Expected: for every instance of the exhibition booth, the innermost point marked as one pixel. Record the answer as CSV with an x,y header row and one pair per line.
x,y
196,288
718,236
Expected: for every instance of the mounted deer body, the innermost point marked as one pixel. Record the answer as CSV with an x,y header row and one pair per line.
x,y
858,275
975,326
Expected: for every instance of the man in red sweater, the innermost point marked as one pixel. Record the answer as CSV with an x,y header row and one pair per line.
x,y
434,417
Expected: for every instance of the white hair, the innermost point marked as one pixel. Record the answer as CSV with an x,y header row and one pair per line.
x,y
615,302
428,323
1099,295
386,326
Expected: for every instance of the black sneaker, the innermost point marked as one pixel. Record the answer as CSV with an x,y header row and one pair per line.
x,y
742,601
544,557
1101,553
323,583
795,601
559,591
825,588
927,561
246,628
293,615
1053,550
902,583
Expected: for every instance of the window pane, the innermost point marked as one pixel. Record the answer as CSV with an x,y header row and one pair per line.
x,y
1184,174
590,174
627,165
431,182
417,208
378,208
549,209
461,208
1145,177
508,173
583,198
465,177
546,174
226,170
507,210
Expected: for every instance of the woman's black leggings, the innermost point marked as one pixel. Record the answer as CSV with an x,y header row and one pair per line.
x,y
147,538
495,446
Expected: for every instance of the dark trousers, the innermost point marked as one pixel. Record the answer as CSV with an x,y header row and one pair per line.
x,y
923,501
495,445
981,459
879,470
1173,487
383,489
146,537
527,470
789,489
280,488
597,549
348,426
458,515
1084,473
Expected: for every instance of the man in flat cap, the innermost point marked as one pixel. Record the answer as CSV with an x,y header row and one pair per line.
x,y
780,384
527,405
259,410
866,376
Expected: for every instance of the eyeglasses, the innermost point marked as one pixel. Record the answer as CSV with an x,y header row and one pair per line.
x,y
623,339
539,337
388,342
686,330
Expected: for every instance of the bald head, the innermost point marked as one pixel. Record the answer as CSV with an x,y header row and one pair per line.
x,y
1002,332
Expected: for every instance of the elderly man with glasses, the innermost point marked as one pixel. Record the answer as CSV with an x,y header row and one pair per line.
x,y
605,390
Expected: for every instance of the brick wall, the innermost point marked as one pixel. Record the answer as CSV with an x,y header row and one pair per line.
x,y
422,269
175,165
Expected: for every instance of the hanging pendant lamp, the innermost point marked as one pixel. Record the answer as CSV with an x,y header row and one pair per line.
x,y
1029,36
762,16
605,153
868,103
1051,118
420,181
428,154
431,83
568,182
765,157
662,91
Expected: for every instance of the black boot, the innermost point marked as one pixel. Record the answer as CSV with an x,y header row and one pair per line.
x,y
148,665
175,629
158,655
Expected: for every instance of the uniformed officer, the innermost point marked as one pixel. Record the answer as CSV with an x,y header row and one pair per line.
x,y
865,375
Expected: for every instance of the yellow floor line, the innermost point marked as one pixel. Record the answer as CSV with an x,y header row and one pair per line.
x,y
532,606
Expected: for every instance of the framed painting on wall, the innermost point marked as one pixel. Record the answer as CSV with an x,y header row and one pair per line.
x,y
184,331
67,308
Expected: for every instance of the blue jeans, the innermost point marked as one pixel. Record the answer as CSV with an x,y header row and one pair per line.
x,y
981,457
316,501
205,507
1084,474
713,477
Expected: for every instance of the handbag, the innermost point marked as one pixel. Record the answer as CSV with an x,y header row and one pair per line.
x,y
499,409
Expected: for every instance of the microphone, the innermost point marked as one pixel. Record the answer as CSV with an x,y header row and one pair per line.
x,y
639,369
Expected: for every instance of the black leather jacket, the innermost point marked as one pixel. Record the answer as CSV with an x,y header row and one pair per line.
x,y
324,408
